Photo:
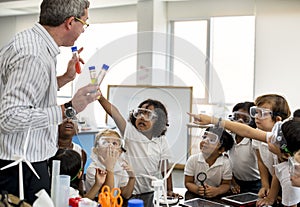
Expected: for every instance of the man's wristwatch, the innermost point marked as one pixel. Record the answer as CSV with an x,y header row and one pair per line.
x,y
70,112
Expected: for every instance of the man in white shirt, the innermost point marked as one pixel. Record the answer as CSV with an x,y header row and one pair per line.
x,y
28,93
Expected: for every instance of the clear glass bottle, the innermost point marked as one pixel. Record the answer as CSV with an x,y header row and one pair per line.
x,y
77,65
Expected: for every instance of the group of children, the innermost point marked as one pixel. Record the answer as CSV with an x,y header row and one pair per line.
x,y
143,139
257,150
276,140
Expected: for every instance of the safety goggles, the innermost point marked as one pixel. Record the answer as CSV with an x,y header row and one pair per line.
x,y
115,142
211,137
294,166
110,141
240,117
278,138
147,114
260,113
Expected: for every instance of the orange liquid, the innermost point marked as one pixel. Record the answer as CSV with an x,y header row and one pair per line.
x,y
78,68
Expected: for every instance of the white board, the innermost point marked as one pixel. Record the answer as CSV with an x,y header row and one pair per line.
x,y
177,100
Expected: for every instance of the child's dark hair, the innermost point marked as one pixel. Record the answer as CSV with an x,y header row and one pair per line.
x,y
226,139
246,107
296,114
291,132
161,123
279,105
70,164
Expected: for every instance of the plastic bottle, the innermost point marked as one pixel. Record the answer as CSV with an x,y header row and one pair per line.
x,y
93,76
135,203
77,65
102,73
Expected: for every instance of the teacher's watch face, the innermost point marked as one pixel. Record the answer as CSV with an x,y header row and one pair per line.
x,y
70,112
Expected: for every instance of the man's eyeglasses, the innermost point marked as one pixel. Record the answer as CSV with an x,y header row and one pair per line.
x,y
85,25
240,116
260,113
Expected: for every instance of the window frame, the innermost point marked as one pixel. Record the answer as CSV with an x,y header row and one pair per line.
x,y
209,53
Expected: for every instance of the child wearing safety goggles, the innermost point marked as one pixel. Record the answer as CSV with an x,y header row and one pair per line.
x,y
269,109
285,143
107,155
146,144
209,172
243,157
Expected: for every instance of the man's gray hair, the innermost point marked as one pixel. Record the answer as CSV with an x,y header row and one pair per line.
x,y
55,12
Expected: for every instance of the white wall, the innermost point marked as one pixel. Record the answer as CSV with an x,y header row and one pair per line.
x,y
13,24
278,49
208,8
277,35
113,14
8,25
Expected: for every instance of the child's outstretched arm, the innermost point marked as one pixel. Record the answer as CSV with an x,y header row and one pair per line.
x,y
238,128
115,114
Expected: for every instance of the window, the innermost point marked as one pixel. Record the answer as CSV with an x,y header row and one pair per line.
x,y
195,32
226,65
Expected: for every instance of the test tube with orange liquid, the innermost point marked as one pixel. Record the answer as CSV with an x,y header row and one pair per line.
x,y
77,65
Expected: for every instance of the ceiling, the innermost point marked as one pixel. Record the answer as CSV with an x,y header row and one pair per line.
x,y
23,7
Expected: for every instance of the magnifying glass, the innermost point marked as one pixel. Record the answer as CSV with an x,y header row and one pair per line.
x,y
201,177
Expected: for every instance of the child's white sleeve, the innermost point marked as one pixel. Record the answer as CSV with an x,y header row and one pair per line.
x,y
190,167
269,134
227,173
